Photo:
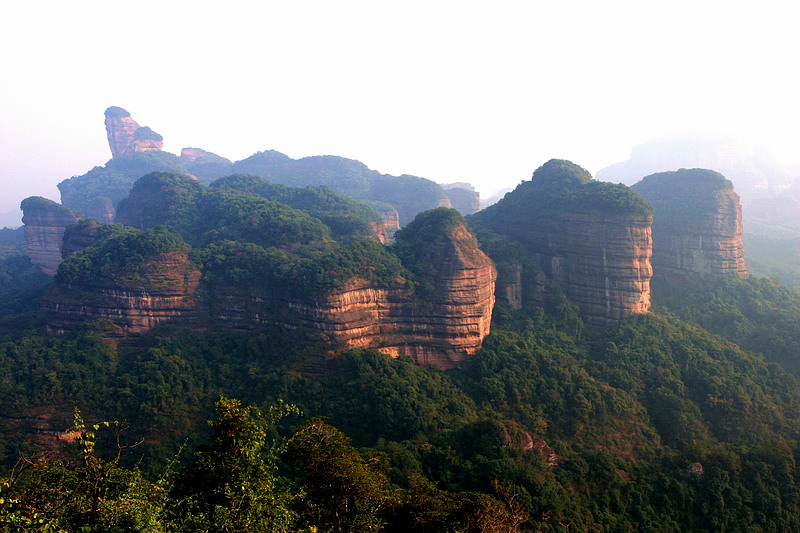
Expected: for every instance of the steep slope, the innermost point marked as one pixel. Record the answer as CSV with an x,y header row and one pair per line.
x,y
45,222
697,225
592,239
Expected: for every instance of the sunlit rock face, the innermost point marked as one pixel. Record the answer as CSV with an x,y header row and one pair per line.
x,y
697,225
165,288
45,222
444,328
126,137
592,239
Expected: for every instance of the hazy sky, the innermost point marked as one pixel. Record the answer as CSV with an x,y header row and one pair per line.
x,y
451,91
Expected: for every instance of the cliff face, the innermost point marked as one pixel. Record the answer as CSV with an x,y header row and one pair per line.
x,y
591,239
697,225
45,222
165,289
126,137
601,262
444,327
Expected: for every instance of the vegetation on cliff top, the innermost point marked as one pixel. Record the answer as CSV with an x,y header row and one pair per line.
x,y
683,195
346,218
683,181
116,258
558,188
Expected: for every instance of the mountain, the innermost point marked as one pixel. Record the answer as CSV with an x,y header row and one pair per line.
x,y
246,261
753,171
697,225
592,239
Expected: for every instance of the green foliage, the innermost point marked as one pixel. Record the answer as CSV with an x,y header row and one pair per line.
x,y
105,186
119,257
683,195
560,187
203,215
312,271
778,259
424,244
409,195
343,490
346,218
232,482
757,314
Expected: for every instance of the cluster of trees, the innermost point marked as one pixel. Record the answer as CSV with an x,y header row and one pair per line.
x,y
638,426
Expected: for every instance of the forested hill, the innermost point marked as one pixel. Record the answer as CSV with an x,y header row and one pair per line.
x,y
137,151
649,424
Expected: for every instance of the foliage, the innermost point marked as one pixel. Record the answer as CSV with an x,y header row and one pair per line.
x,y
105,186
559,187
346,218
757,314
232,482
119,257
311,271
423,245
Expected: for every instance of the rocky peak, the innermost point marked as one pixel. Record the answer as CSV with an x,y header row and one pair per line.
x,y
697,225
126,137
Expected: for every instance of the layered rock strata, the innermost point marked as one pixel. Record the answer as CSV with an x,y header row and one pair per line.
x,y
165,288
444,328
45,222
126,137
697,225
592,239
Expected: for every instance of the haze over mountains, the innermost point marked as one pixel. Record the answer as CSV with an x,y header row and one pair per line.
x,y
575,343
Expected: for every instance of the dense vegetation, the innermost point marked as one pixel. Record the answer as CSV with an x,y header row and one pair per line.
x,y
683,420
346,218
560,187
630,428
683,195
408,194
101,189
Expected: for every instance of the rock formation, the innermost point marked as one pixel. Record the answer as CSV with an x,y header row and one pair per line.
x,y
165,289
443,327
442,323
45,221
463,197
126,137
697,225
592,239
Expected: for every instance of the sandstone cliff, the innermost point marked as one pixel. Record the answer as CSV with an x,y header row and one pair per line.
x,y
45,222
441,320
697,225
591,239
126,137
164,288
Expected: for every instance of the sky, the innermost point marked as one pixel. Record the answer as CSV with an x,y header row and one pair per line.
x,y
451,91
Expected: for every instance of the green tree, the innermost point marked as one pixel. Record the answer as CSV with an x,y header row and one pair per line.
x,y
232,483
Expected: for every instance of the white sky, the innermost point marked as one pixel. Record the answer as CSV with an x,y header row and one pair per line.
x,y
451,91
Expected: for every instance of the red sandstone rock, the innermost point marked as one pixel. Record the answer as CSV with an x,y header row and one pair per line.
x,y
45,222
697,225
126,137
